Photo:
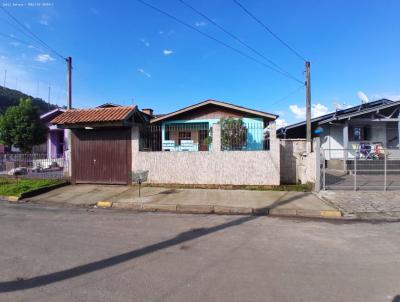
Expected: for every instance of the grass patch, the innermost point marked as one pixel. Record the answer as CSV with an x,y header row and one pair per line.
x,y
12,187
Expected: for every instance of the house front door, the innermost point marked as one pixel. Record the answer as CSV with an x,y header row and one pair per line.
x,y
203,134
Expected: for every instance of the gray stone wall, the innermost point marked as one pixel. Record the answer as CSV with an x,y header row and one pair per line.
x,y
214,167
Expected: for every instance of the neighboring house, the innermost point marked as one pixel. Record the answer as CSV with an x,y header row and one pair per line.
x,y
101,142
188,129
110,142
56,143
373,123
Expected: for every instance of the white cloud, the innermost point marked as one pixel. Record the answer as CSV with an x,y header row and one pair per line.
x,y
299,113
30,81
167,52
14,43
387,95
316,110
145,43
142,71
200,23
280,123
44,58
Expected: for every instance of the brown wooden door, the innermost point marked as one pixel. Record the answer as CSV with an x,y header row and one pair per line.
x,y
101,156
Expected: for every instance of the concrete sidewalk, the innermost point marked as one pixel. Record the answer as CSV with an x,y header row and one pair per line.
x,y
204,201
224,202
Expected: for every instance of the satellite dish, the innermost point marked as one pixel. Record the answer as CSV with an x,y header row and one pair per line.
x,y
363,97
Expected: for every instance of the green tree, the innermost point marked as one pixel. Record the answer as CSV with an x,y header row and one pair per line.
x,y
233,134
21,126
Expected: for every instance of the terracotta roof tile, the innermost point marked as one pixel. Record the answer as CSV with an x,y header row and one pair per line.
x,y
96,115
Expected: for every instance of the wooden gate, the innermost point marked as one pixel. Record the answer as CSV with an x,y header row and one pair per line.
x,y
101,155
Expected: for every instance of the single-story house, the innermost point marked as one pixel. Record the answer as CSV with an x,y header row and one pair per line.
x,y
110,142
368,124
189,128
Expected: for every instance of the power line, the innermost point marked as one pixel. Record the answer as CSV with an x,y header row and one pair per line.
x,y
218,41
17,39
32,34
234,37
269,30
288,95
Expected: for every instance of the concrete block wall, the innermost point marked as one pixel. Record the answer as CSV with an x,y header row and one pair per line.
x,y
214,167
291,151
296,164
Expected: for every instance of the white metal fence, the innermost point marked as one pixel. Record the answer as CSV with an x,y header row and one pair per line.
x,y
360,169
33,166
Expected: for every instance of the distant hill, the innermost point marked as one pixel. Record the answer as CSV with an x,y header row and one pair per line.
x,y
11,97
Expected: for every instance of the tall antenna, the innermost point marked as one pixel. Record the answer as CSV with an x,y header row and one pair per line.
x,y
5,77
48,98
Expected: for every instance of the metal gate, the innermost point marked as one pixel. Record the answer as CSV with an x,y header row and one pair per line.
x,y
101,155
356,169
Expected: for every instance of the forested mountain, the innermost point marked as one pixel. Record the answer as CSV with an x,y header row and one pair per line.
x,y
11,97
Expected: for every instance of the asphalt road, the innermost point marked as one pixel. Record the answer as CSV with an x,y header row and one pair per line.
x,y
71,254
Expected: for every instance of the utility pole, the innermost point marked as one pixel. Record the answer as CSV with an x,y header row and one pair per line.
x,y
67,133
69,83
308,106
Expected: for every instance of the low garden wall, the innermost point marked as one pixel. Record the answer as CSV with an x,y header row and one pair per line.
x,y
213,167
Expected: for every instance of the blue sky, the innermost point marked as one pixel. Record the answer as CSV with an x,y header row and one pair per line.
x,y
126,53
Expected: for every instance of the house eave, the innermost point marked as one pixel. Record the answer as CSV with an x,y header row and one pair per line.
x,y
265,115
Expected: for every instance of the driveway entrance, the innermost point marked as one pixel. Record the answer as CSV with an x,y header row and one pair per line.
x,y
101,155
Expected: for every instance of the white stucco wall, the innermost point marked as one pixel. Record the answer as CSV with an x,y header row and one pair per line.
x,y
332,141
214,167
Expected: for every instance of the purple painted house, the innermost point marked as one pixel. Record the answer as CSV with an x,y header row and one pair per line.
x,y
56,142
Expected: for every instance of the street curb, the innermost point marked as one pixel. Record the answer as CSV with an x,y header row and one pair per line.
x,y
104,204
195,209
232,210
35,192
10,198
127,206
222,210
159,207
306,213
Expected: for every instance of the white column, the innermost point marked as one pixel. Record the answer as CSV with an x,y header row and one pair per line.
x,y
135,145
216,138
345,143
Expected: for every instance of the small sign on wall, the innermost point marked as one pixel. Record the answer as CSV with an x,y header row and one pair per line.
x,y
168,145
186,143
